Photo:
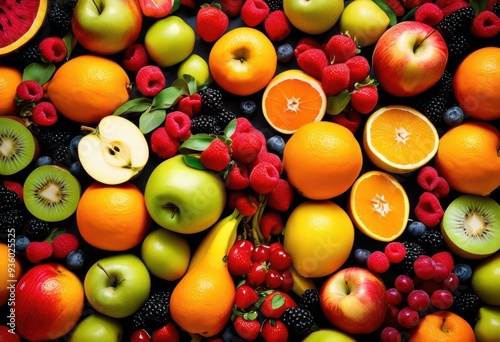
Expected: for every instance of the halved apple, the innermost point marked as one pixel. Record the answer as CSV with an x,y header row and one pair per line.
x,y
114,152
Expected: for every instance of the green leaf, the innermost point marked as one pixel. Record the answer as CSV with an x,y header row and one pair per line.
x,y
133,106
151,120
277,301
393,20
479,5
39,72
410,14
70,42
250,315
181,83
191,82
197,142
337,103
230,128
168,97
193,161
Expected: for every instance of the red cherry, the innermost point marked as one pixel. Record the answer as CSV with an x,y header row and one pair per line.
x,y
140,335
287,281
274,279
257,274
261,253
280,259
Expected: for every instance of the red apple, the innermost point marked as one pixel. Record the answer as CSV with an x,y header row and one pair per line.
x,y
409,58
49,302
353,299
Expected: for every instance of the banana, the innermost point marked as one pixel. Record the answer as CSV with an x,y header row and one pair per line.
x,y
300,284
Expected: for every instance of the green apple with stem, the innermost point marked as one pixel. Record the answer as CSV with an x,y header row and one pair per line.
x,y
166,254
106,27
485,280
117,285
97,327
184,199
195,66
169,40
487,327
114,152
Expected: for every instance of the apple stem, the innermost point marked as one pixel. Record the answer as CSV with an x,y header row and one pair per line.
x,y
442,326
87,128
114,283
98,9
427,36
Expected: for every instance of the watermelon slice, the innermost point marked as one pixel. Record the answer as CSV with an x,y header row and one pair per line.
x,y
159,8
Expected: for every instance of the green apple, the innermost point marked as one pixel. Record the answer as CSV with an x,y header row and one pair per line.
x,y
328,335
106,26
97,327
197,67
117,285
115,151
184,199
485,280
166,254
169,40
313,16
487,328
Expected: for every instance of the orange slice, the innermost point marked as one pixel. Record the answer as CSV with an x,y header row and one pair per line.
x,y
292,99
379,206
399,139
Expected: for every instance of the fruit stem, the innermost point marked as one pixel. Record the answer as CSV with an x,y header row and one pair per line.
x,y
87,128
97,7
114,283
442,326
420,42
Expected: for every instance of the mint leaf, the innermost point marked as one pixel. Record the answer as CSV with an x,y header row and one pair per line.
x,y
151,120
197,142
337,103
193,160
230,128
137,105
168,97
39,72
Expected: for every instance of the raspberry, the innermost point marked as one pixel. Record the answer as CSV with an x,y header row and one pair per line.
x,y
237,177
349,118
271,223
263,178
378,262
312,62
243,125
429,180
29,90
339,48
277,26
178,125
246,204
38,251
15,187
44,114
191,105
364,99
429,14
216,156
268,157
395,252
53,49
150,80
445,258
359,69
64,244
429,210
135,57
254,12
485,25
163,144
335,78
245,147
281,197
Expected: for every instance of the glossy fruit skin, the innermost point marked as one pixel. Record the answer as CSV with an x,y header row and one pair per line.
x,y
197,67
485,280
313,18
97,327
487,328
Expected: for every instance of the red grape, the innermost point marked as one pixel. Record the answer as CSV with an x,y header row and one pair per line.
x,y
393,296
441,272
418,300
442,299
408,318
424,267
403,283
390,334
451,282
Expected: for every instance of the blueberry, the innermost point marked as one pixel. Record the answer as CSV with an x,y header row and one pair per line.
x,y
454,116
76,259
21,244
43,160
284,53
361,255
248,108
416,229
463,272
77,169
276,145
73,146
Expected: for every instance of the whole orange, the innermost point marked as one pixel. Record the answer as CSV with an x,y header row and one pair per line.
x,y
243,61
476,84
322,160
11,270
87,88
9,79
113,217
442,326
468,157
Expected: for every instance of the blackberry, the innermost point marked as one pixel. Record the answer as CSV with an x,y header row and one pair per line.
x,y
60,19
457,21
275,5
62,156
309,300
205,124
434,101
432,241
29,54
211,100
153,314
9,200
11,220
224,116
413,251
36,229
459,45
52,139
298,321
496,9
466,305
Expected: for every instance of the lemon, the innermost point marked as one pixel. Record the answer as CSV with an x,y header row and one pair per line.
x,y
313,17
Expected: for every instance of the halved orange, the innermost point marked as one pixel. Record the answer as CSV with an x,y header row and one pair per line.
x,y
399,139
379,206
292,99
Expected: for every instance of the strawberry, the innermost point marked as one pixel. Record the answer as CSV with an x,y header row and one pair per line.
x,y
364,99
359,69
237,177
191,105
216,156
281,197
271,223
312,62
246,203
349,118
274,331
211,22
239,258
275,304
245,146
340,48
335,78
254,12
264,178
306,43
231,7
247,329
167,333
245,297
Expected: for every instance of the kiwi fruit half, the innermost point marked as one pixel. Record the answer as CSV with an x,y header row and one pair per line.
x,y
471,226
51,193
17,146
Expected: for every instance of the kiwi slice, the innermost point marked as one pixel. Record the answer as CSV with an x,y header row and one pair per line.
x,y
17,146
51,193
471,226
